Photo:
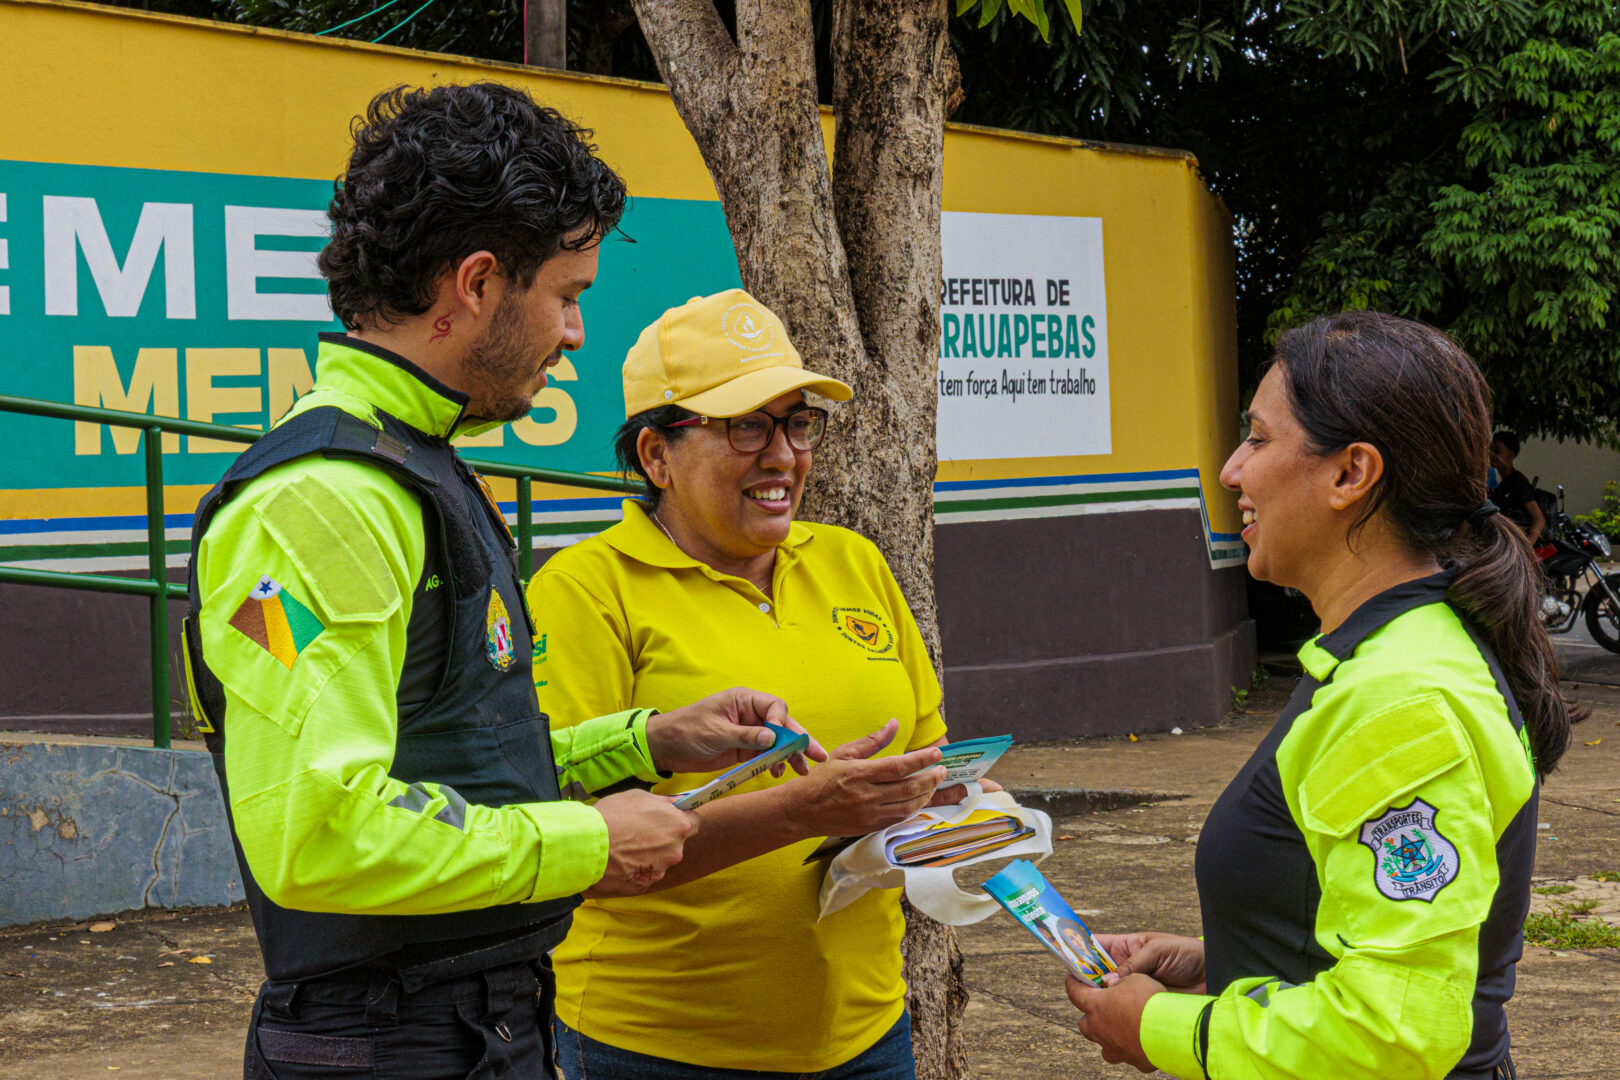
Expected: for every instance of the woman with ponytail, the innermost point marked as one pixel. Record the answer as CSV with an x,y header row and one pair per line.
x,y
1364,880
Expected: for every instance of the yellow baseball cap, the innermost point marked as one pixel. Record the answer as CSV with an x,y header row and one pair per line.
x,y
720,355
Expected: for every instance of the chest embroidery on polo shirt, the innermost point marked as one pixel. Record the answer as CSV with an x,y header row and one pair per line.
x,y
498,632
1412,861
866,629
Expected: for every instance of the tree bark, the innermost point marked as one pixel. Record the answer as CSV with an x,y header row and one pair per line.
x,y
893,74
545,33
849,257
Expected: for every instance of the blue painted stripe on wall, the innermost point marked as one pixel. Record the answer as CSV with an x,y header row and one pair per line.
x,y
1049,481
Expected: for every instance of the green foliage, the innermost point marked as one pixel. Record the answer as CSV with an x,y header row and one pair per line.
x,y
1456,161
1553,890
1284,134
1507,234
1035,12
1563,930
602,34
1606,875
489,29
1606,520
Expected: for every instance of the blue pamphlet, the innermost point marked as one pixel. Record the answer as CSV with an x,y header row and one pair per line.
x,y
966,762
1022,890
786,745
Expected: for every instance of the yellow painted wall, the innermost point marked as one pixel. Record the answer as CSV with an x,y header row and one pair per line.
x,y
1172,327
82,84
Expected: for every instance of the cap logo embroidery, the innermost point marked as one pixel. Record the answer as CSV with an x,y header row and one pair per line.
x,y
744,326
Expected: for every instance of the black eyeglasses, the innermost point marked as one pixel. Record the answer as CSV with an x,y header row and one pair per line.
x,y
752,432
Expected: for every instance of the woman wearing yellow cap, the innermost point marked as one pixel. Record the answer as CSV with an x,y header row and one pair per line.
x,y
709,583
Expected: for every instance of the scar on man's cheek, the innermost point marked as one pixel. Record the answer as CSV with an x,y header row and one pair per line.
x,y
441,326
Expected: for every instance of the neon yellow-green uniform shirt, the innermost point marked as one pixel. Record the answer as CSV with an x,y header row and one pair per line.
x,y
1365,878
311,666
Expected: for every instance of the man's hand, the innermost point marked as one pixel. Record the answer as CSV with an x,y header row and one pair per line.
x,y
1112,1018
851,796
1177,962
646,836
723,730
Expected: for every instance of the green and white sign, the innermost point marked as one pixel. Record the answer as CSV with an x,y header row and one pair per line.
x,y
196,295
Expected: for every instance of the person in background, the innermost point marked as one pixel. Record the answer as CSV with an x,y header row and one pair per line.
x,y
709,581
1365,879
1513,492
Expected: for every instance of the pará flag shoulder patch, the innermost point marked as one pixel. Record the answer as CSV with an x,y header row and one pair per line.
x,y
274,619
498,632
1411,859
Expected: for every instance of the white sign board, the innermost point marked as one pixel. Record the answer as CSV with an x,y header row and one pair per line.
x,y
1023,354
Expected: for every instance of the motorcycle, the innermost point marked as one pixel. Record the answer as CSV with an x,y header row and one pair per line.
x,y
1569,553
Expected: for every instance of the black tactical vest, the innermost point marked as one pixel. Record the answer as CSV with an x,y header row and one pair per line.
x,y
463,721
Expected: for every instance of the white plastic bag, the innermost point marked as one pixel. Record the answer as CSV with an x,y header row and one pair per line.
x,y
932,889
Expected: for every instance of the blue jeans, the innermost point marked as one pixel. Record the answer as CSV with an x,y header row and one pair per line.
x,y
583,1058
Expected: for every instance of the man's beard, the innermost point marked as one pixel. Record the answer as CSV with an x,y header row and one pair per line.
x,y
501,366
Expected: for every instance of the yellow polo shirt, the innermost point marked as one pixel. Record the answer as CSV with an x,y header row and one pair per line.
x,y
733,971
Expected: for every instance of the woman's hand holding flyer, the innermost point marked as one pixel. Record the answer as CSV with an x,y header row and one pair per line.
x,y
1022,890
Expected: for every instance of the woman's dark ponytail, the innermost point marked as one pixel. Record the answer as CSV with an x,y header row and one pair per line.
x,y
1409,390
1499,588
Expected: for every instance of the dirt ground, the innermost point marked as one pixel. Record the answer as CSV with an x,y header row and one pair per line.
x,y
166,996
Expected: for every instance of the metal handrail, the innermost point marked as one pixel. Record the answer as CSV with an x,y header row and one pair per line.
x,y
157,587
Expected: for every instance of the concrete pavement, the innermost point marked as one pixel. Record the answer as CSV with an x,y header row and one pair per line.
x,y
1584,660
166,996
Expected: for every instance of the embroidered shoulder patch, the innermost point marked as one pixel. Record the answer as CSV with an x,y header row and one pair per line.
x,y
1412,861
498,632
272,618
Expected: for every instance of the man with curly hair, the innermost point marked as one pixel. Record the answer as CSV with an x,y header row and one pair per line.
x,y
397,798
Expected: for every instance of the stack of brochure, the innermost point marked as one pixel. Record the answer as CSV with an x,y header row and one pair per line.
x,y
940,844
965,763
1022,890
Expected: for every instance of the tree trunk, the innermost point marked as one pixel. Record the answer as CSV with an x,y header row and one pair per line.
x,y
893,73
545,33
849,258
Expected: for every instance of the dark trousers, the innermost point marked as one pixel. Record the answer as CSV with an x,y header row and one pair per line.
x,y
1503,1071
583,1058
366,1026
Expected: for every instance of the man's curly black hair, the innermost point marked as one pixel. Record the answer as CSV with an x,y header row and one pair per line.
x,y
439,174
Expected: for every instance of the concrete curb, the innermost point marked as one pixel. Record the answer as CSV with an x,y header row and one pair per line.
x,y
1069,802
94,828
